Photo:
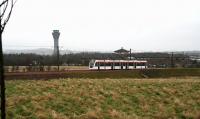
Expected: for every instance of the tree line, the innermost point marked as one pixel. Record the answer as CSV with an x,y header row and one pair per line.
x,y
83,58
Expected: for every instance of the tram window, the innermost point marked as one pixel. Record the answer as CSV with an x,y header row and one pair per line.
x,y
101,63
108,64
140,64
131,64
117,64
97,64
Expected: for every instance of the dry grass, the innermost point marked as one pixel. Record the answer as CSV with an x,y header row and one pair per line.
x,y
52,68
103,98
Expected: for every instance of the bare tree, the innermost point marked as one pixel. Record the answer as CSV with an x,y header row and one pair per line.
x,y
6,7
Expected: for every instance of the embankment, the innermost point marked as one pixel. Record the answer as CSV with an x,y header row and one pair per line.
x,y
114,74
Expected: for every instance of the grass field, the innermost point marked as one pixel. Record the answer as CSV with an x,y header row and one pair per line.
x,y
103,98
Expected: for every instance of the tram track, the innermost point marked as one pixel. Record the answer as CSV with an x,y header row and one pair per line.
x,y
99,74
63,74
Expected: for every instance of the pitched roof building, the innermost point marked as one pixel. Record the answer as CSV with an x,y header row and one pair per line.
x,y
122,51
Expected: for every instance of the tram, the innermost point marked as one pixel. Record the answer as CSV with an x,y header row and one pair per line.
x,y
117,64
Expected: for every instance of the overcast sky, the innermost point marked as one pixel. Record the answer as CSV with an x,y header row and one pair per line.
x,y
105,25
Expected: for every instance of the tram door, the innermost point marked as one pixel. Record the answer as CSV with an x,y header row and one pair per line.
x,y
123,65
112,66
98,65
126,65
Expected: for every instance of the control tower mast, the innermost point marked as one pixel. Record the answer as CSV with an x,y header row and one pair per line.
x,y
56,35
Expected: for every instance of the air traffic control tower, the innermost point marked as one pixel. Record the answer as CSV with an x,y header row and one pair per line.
x,y
56,35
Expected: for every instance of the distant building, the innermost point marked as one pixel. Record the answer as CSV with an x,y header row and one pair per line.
x,y
122,51
56,35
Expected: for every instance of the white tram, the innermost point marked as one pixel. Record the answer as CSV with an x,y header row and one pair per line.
x,y
117,64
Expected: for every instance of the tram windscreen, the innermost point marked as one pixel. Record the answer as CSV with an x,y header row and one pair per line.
x,y
91,64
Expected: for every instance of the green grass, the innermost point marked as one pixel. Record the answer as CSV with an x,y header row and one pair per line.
x,y
103,98
174,72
